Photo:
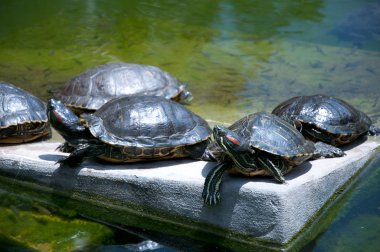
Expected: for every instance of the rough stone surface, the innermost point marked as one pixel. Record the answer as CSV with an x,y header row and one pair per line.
x,y
259,207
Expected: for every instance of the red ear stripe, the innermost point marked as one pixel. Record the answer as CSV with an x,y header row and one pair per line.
x,y
234,140
57,116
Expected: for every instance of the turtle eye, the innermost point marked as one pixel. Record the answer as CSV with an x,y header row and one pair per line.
x,y
234,140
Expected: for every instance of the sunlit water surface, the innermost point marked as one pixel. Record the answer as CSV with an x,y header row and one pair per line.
x,y
237,57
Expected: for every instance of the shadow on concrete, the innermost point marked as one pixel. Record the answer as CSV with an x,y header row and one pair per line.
x,y
354,144
65,177
299,171
99,164
224,214
51,157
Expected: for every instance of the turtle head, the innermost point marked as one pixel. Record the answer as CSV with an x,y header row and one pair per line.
x,y
231,142
185,96
63,120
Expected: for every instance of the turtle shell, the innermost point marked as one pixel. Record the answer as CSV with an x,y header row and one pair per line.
x,y
147,122
22,115
269,133
332,115
93,88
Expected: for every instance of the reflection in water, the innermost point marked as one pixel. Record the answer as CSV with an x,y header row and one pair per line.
x,y
236,50
28,224
218,45
360,26
356,223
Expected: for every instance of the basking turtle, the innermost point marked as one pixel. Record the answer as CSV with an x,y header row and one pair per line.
x,y
327,119
258,144
129,129
22,115
88,91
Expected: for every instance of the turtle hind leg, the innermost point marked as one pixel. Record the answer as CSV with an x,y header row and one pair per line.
x,y
373,130
274,166
197,151
211,188
326,151
80,152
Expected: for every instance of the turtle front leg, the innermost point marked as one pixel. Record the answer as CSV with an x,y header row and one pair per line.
x,y
80,152
274,166
211,188
65,147
326,151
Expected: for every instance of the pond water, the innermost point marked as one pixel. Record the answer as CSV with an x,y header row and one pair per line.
x,y
237,57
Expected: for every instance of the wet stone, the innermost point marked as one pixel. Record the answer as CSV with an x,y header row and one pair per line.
x,y
252,209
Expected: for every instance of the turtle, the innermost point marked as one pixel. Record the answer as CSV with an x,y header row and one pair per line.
x,y
258,144
130,129
327,119
22,115
88,91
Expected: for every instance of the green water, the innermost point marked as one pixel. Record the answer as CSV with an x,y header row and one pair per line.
x,y
237,57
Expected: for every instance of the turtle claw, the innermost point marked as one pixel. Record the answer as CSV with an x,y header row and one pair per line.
x,y
327,151
280,179
65,147
373,130
211,199
211,188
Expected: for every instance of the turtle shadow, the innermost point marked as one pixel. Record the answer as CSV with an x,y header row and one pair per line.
x,y
222,213
51,157
148,164
298,171
295,172
61,174
354,144
98,164
233,182
65,183
235,191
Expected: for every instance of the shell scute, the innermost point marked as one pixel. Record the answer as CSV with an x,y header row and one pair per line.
x,y
147,122
96,86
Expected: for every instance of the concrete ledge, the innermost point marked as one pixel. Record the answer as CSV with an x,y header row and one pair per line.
x,y
258,209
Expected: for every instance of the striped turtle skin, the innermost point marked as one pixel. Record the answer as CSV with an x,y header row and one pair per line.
x,y
257,144
130,129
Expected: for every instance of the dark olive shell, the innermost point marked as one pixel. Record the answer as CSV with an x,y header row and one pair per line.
x,y
96,86
147,122
18,106
269,133
22,116
329,114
